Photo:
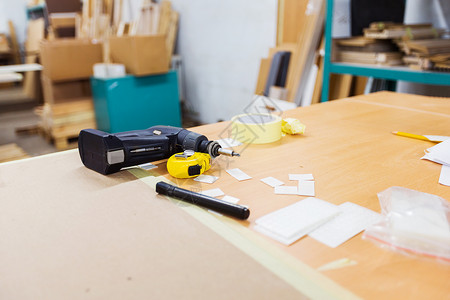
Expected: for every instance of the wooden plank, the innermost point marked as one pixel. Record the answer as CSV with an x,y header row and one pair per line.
x,y
164,18
15,49
340,86
35,34
291,47
359,85
172,34
264,68
291,21
10,152
306,46
319,78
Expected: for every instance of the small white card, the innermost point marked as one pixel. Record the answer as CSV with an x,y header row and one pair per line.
x,y
213,192
273,182
306,188
286,190
444,178
228,143
350,222
238,174
147,166
301,177
206,178
230,199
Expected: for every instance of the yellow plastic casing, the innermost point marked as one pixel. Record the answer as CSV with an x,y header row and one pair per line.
x,y
178,164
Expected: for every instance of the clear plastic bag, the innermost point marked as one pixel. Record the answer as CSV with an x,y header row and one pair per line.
x,y
413,222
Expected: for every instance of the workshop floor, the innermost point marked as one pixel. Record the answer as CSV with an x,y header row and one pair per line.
x,y
16,112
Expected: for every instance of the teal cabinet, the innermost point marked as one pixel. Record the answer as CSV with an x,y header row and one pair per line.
x,y
132,103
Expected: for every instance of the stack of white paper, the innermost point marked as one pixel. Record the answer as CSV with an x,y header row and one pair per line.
x,y
290,223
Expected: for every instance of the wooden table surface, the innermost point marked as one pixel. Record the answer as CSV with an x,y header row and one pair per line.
x,y
348,147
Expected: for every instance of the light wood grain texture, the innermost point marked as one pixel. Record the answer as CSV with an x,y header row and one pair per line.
x,y
349,148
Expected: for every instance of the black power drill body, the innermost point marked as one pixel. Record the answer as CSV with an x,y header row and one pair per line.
x,y
107,153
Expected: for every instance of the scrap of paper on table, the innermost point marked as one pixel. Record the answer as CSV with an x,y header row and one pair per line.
x,y
271,181
286,190
352,220
213,192
147,166
230,199
306,188
439,153
206,178
292,222
228,143
238,174
444,177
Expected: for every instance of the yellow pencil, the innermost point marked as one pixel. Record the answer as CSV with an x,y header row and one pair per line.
x,y
411,135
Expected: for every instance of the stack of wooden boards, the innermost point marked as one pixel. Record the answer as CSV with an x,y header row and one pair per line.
x,y
68,108
430,54
101,19
367,51
144,45
420,46
299,31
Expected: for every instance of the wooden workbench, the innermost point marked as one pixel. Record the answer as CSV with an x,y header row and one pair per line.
x,y
68,233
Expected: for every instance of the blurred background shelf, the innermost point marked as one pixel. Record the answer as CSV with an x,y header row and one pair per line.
x,y
380,72
393,73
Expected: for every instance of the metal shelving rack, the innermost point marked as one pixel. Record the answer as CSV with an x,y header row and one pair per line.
x,y
382,72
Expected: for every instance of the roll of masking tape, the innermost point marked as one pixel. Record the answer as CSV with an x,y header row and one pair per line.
x,y
256,128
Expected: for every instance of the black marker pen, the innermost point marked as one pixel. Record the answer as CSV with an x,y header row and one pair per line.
x,y
234,210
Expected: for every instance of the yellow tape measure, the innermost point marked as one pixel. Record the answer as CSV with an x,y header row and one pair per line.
x,y
188,164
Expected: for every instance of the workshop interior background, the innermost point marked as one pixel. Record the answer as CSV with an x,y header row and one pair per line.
x,y
220,55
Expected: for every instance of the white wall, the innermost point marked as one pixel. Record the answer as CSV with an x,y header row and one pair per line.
x,y
14,10
221,44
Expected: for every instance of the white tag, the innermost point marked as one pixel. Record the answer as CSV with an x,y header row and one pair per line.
x,y
213,192
228,143
206,178
273,182
306,188
147,166
444,178
286,190
238,174
230,199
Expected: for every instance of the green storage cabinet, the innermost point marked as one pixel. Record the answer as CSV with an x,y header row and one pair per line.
x,y
132,103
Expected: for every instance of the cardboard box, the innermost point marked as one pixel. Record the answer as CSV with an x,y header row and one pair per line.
x,y
141,55
68,59
66,91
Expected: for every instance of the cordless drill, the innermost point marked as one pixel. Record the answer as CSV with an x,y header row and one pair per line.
x,y
107,153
